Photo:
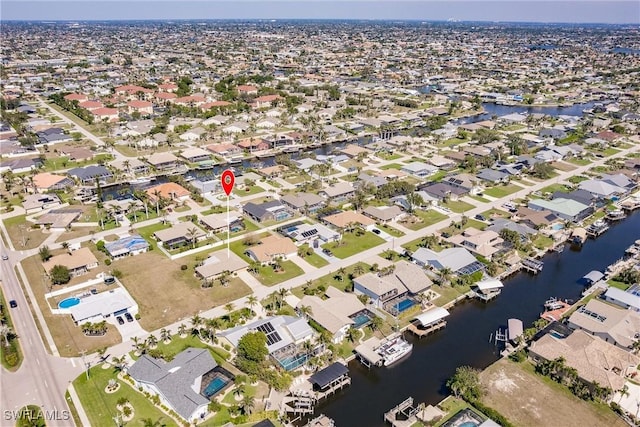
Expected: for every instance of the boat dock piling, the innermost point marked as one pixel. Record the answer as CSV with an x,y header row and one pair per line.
x,y
532,265
406,410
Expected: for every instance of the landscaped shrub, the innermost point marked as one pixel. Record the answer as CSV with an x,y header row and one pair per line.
x,y
107,261
183,267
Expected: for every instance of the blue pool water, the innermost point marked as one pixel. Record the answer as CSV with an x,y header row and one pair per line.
x,y
215,386
468,424
404,304
69,302
361,319
557,227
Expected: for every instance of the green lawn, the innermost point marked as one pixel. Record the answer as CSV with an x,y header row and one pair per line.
x,y
458,206
610,151
438,176
448,293
414,245
386,156
619,285
478,198
147,232
269,277
178,344
391,166
101,406
555,187
542,242
62,162
428,217
297,179
241,192
502,190
471,223
579,162
238,247
352,244
577,179
391,231
314,259
331,279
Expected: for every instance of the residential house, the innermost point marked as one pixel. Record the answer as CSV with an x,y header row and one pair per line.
x,y
236,127
53,135
126,246
338,192
402,201
458,260
163,161
140,106
77,262
218,263
535,219
193,134
285,337
609,322
105,114
90,174
225,150
353,150
130,165
182,383
484,243
498,224
217,222
272,171
625,299
77,154
310,233
305,203
33,203
195,155
384,214
306,163
580,196
179,235
443,191
493,176
266,101
254,144
336,313
464,181
167,191
594,359
267,211
49,182
419,169
272,248
385,290
564,208
366,180
345,219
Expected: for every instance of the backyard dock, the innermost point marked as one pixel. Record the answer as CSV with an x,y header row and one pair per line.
x,y
597,228
406,411
532,265
422,332
367,354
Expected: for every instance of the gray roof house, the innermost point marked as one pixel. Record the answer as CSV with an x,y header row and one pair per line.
x,y
303,202
366,179
502,223
601,188
273,210
383,214
442,190
564,208
419,169
339,191
89,174
492,175
176,382
458,260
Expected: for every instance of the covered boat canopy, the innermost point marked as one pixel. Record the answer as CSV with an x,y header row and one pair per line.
x,y
514,326
489,284
431,316
593,276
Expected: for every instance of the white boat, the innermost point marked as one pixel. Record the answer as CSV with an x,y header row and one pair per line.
x,y
553,304
140,181
394,349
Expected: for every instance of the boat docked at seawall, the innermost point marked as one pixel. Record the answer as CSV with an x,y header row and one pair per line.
x,y
578,236
394,349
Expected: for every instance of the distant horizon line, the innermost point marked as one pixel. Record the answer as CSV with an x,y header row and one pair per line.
x,y
447,21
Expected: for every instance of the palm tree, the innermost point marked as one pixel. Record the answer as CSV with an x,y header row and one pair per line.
x,y
6,332
224,277
353,334
157,196
413,200
133,206
119,363
229,307
252,301
182,329
192,232
247,404
358,270
165,335
196,322
152,341
282,294
213,325
149,422
101,352
445,275
240,389
305,311
376,323
340,274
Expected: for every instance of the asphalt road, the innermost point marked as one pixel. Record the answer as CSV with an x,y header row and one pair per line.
x,y
42,379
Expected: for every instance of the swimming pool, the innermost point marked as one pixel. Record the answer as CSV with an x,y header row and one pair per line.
x,y
69,302
216,384
557,227
404,305
361,319
468,424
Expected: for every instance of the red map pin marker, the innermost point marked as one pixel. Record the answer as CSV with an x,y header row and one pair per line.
x,y
227,180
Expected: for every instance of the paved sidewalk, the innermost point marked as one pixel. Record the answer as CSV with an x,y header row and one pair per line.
x,y
84,420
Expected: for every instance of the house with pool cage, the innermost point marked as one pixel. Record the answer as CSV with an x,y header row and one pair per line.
x,y
285,338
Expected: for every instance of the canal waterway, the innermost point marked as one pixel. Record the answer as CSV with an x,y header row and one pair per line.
x,y
465,340
491,109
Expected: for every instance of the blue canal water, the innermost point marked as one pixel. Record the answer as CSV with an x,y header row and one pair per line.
x,y
492,109
465,340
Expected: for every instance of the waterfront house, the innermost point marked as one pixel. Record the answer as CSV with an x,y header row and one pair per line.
x,y
49,182
254,144
594,359
498,224
167,191
285,337
130,165
338,192
195,155
163,161
180,384
305,203
625,299
458,260
126,246
336,313
218,263
273,210
90,174
306,163
79,262
609,322
272,248
564,208
225,150
536,219
179,234
484,243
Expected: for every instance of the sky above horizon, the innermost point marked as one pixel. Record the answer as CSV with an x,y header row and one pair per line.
x,y
576,11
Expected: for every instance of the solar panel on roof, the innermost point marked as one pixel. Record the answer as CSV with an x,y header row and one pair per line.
x,y
272,336
309,233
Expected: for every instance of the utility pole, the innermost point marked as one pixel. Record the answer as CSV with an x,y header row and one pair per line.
x,y
85,363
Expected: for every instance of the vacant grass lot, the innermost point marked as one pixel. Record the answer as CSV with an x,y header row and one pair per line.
x,y
502,190
425,219
269,277
391,231
20,232
332,279
528,399
314,259
563,166
555,187
101,406
352,244
458,206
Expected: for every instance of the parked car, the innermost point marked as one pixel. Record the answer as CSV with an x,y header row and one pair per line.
x,y
129,317
120,320
13,303
109,280
327,252
480,217
4,257
376,231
